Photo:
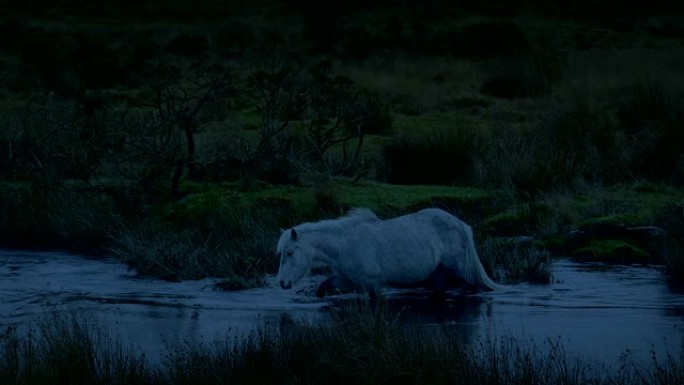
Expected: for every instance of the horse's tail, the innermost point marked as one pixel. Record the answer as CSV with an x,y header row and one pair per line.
x,y
475,265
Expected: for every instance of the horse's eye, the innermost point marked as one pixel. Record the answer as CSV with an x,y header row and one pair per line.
x,y
289,253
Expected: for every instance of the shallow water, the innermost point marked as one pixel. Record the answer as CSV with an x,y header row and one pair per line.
x,y
596,312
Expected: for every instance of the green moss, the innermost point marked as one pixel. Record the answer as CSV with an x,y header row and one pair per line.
x,y
379,195
328,198
507,223
612,250
614,220
521,219
553,243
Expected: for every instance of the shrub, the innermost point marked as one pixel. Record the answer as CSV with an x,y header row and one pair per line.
x,y
441,155
11,28
68,64
526,163
652,115
490,39
588,136
186,44
231,39
359,43
530,75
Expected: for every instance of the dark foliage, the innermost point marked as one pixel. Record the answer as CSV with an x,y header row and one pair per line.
x,y
435,156
653,116
490,39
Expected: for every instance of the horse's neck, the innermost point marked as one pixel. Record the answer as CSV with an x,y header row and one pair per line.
x,y
328,248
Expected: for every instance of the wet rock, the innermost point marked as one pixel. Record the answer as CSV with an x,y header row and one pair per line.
x,y
616,242
612,251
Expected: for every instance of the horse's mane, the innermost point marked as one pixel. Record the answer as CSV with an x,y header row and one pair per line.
x,y
353,217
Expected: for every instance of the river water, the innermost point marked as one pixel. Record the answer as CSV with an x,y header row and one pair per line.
x,y
597,312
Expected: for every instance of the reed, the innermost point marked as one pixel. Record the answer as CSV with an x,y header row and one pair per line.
x,y
360,346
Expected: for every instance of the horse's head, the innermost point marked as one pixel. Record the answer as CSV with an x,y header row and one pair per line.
x,y
296,258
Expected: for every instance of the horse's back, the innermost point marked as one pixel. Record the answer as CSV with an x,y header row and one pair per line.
x,y
419,227
435,223
440,219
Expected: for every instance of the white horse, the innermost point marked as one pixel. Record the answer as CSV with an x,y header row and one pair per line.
x,y
430,244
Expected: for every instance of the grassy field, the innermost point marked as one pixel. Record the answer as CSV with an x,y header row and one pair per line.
x,y
180,139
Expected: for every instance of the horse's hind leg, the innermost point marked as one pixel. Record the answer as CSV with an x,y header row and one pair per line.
x,y
438,283
445,278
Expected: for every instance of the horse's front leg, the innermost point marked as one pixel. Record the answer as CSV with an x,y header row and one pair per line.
x,y
328,286
373,294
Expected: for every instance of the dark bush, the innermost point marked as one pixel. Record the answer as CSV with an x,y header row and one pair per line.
x,y
47,61
322,24
435,156
590,138
653,116
11,29
69,64
490,39
359,43
373,113
233,38
186,44
529,75
505,86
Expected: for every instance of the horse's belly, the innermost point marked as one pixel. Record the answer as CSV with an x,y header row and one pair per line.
x,y
409,274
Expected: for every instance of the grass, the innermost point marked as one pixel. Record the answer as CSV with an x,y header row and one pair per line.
x,y
359,346
68,350
514,260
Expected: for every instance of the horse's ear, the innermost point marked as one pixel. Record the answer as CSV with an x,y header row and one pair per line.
x,y
293,234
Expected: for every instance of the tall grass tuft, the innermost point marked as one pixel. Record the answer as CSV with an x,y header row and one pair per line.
x,y
517,259
377,347
359,346
63,349
200,237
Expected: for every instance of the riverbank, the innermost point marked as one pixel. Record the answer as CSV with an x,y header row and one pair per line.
x,y
229,230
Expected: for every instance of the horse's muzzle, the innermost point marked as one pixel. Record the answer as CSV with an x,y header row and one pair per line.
x,y
286,285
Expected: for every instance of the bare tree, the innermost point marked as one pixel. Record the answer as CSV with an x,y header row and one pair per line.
x,y
326,109
179,105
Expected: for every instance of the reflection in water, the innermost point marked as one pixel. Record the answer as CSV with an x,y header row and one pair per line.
x,y
597,313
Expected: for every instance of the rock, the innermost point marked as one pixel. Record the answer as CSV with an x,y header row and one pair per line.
x,y
615,242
